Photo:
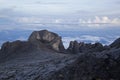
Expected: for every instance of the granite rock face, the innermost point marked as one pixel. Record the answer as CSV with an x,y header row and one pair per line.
x,y
46,38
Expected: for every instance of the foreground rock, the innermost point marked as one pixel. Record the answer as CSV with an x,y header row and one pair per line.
x,y
39,59
90,67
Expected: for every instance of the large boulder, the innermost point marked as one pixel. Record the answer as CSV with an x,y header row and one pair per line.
x,y
46,38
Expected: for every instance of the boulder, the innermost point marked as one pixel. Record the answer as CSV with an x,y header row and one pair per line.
x,y
47,39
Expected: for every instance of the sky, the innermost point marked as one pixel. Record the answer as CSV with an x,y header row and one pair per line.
x,y
92,20
54,14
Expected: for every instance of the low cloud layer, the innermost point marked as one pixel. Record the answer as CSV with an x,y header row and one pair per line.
x,y
100,20
88,39
54,15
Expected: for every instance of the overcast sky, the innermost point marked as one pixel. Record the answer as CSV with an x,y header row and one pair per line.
x,y
89,12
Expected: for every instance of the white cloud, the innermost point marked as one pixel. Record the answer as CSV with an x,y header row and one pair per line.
x,y
83,38
100,21
58,23
91,38
88,39
21,38
116,21
58,20
28,20
38,20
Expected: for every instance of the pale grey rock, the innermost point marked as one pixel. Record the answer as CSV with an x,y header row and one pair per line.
x,y
46,38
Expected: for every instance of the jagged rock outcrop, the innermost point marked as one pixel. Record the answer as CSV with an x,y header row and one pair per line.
x,y
82,47
116,43
16,46
28,60
38,39
73,47
46,38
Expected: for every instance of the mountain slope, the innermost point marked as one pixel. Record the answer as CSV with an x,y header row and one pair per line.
x,y
43,57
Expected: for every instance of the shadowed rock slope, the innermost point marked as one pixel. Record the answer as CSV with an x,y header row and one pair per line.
x,y
43,57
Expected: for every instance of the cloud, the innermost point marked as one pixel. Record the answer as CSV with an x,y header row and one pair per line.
x,y
87,39
22,38
38,20
49,3
28,20
100,21
56,23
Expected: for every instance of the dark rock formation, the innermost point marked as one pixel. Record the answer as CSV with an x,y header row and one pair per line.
x,y
116,43
73,47
46,38
16,48
90,67
38,59
82,47
38,40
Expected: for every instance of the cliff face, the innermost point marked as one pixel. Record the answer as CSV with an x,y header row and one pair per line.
x,y
43,57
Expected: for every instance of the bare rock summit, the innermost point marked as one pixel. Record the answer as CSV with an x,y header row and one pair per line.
x,y
48,39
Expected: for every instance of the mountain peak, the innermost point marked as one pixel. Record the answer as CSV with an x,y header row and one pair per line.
x,y
46,38
38,59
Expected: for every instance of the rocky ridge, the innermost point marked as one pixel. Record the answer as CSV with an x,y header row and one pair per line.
x,y
43,57
82,47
